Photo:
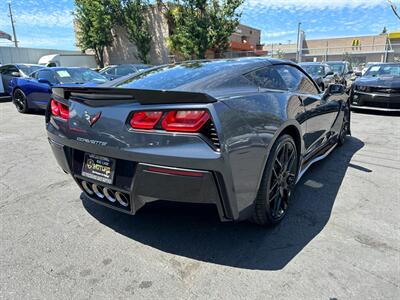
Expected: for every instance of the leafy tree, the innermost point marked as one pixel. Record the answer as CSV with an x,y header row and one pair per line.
x,y
94,20
224,19
384,31
199,25
135,12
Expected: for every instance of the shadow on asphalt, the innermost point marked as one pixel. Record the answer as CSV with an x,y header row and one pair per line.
x,y
194,231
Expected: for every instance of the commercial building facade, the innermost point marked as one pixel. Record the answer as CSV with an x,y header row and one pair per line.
x,y
357,49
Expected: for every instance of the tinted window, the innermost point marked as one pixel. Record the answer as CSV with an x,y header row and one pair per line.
x,y
382,70
267,78
26,69
314,70
173,76
47,75
124,70
109,71
337,67
9,70
296,80
78,75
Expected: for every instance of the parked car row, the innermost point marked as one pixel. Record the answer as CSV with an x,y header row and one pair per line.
x,y
29,85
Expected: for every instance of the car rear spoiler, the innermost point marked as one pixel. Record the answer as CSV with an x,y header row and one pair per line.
x,y
103,95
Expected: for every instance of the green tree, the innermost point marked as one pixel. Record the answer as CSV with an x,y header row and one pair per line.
x,y
384,31
199,25
135,17
224,20
94,20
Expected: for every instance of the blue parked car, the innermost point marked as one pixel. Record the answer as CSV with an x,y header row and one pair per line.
x,y
34,92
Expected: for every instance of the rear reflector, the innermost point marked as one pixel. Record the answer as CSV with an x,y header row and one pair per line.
x,y
185,120
175,172
145,119
59,109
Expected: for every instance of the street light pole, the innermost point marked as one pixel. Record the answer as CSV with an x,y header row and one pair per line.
x,y
13,25
298,42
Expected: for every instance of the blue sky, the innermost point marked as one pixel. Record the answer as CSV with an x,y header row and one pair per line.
x,y
48,24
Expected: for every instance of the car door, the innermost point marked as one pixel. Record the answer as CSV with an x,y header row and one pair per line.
x,y
6,75
40,86
320,113
2,87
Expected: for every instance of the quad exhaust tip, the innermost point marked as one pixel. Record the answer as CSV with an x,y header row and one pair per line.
x,y
122,199
104,192
87,188
110,195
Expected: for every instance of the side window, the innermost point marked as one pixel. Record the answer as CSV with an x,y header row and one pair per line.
x,y
267,78
3,69
110,71
296,80
34,75
9,70
123,70
48,75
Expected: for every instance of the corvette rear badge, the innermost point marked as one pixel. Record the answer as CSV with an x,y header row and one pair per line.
x,y
92,119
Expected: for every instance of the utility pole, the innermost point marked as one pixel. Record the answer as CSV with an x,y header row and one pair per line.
x,y
298,42
13,25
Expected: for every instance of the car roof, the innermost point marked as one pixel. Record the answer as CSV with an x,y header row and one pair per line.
x,y
313,63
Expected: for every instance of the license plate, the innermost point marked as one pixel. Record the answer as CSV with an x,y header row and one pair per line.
x,y
98,167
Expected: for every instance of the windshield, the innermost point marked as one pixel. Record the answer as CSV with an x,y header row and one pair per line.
x,y
314,70
78,75
382,70
26,69
337,68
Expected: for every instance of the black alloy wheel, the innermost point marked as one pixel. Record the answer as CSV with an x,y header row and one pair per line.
x,y
278,181
345,129
19,100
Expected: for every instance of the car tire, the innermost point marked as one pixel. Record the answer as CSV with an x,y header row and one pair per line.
x,y
20,101
277,183
345,129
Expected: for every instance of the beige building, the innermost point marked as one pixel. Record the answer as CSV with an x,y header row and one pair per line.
x,y
357,49
245,41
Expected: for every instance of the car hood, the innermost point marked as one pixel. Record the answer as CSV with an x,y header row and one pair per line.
x,y
381,81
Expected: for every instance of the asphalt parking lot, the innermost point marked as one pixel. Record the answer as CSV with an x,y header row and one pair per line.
x,y
340,240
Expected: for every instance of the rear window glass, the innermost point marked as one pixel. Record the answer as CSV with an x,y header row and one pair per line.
x,y
173,76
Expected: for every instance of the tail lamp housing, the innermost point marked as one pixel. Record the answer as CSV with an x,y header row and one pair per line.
x,y
59,109
174,120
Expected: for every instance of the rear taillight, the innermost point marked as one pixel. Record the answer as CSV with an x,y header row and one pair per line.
x,y
185,120
175,120
145,119
59,109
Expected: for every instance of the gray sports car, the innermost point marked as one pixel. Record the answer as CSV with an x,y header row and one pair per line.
x,y
236,133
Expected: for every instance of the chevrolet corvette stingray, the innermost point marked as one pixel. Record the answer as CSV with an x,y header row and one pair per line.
x,y
237,133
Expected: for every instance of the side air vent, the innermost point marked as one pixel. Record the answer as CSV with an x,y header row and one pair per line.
x,y
210,132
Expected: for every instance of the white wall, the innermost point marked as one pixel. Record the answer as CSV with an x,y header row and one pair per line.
x,y
27,55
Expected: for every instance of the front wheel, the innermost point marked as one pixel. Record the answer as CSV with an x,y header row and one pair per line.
x,y
20,101
277,183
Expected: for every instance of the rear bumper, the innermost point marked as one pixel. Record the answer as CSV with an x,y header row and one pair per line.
x,y
374,101
144,182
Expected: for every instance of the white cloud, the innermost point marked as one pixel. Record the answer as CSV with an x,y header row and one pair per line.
x,y
61,18
315,4
275,34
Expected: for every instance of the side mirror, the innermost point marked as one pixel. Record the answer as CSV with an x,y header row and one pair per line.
x,y
350,72
330,73
15,74
45,81
358,73
335,89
